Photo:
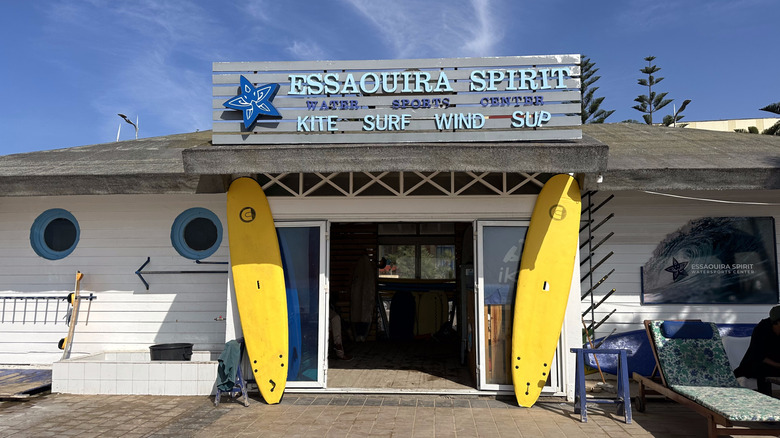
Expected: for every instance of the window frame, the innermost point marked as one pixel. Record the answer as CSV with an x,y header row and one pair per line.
x,y
38,231
179,225
417,241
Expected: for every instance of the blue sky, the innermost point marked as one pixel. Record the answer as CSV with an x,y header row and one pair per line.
x,y
68,67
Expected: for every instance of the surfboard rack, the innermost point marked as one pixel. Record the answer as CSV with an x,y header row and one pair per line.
x,y
596,266
589,263
603,320
593,306
9,305
148,259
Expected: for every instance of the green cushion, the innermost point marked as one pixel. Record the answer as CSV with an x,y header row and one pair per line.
x,y
693,361
736,404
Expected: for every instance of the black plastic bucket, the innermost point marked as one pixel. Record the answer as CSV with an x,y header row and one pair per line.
x,y
180,351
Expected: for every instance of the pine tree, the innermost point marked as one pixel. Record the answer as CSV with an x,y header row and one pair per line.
x,y
590,106
671,120
774,129
652,101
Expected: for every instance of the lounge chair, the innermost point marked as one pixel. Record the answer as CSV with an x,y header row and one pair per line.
x,y
695,372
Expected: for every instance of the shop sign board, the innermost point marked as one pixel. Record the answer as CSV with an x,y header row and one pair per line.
x,y
502,99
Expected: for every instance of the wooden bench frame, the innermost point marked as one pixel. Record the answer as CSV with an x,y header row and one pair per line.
x,y
714,419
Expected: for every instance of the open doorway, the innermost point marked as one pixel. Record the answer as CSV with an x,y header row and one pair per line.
x,y
399,292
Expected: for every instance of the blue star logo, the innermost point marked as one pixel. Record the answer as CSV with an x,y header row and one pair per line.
x,y
254,101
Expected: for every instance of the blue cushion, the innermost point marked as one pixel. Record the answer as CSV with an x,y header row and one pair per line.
x,y
686,330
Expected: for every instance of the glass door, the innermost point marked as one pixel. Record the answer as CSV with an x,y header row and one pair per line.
x,y
304,256
499,249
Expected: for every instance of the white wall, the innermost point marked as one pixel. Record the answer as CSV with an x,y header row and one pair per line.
x,y
641,222
118,233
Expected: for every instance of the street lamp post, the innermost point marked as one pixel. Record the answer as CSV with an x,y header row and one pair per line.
x,y
135,125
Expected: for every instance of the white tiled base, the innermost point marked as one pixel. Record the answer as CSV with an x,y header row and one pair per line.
x,y
133,373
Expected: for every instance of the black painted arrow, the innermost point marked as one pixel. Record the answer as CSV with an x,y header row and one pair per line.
x,y
201,262
148,259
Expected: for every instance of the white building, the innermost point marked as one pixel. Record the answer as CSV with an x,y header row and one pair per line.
x,y
464,202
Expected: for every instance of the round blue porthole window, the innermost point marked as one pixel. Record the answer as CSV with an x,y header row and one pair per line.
x,y
196,233
54,234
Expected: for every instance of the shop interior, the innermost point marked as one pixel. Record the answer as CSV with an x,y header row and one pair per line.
x,y
400,293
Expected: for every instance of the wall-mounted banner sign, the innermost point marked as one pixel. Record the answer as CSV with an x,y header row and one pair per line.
x,y
714,260
393,101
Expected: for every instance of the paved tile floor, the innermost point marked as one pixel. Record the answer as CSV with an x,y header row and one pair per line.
x,y
308,415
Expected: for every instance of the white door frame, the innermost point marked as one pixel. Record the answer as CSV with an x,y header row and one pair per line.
x,y
322,341
233,326
556,375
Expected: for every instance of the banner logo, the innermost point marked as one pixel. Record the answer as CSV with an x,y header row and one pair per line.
x,y
557,212
247,214
254,101
677,269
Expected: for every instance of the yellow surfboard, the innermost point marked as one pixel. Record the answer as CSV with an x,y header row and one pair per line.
x,y
543,285
259,282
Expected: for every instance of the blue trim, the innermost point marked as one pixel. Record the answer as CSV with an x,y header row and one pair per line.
x,y
686,330
179,225
38,229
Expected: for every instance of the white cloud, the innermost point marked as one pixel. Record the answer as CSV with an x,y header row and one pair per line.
x,y
151,89
486,34
148,58
415,29
256,10
306,50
